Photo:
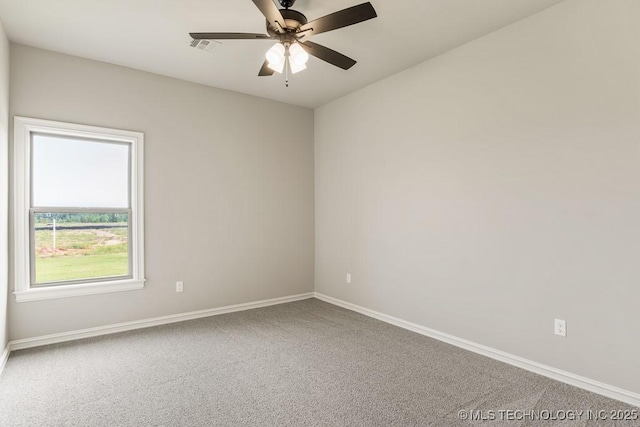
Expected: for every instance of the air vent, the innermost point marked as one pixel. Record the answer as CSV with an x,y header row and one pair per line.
x,y
206,45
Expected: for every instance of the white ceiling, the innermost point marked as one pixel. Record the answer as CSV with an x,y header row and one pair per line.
x,y
152,35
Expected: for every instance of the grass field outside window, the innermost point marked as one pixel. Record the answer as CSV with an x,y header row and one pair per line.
x,y
80,250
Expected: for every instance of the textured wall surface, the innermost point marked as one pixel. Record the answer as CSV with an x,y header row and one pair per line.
x,y
497,187
228,188
4,184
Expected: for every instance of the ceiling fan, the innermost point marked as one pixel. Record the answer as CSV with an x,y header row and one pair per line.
x,y
292,31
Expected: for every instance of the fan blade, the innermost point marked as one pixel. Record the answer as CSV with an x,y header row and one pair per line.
x,y
272,13
328,55
265,70
228,36
340,19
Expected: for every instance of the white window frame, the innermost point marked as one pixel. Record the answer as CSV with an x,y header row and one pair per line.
x,y
24,127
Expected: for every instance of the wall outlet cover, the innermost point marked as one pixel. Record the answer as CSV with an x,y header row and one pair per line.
x,y
560,327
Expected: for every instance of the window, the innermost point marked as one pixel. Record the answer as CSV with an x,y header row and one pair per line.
x,y
78,210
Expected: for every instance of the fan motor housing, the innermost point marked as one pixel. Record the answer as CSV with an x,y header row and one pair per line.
x,y
292,21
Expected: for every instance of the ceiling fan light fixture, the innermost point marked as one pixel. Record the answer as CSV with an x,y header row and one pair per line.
x,y
278,68
298,55
296,68
275,57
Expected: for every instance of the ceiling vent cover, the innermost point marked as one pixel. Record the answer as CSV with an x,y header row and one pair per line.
x,y
206,45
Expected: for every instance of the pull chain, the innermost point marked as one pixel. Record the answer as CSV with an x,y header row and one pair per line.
x,y
286,72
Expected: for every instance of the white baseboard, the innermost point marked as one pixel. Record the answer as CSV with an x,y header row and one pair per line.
x,y
4,357
146,323
529,365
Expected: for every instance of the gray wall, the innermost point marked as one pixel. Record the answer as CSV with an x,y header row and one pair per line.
x,y
4,184
228,188
497,187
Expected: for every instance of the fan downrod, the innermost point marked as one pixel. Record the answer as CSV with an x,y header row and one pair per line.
x,y
287,3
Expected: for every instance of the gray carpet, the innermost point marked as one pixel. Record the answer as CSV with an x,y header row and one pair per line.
x,y
306,363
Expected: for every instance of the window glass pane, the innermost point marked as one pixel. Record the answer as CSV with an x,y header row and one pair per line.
x,y
74,246
69,172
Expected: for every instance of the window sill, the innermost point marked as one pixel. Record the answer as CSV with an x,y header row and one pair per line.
x,y
66,291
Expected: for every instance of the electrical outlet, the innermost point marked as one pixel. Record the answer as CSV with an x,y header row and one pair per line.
x,y
348,277
179,286
560,327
